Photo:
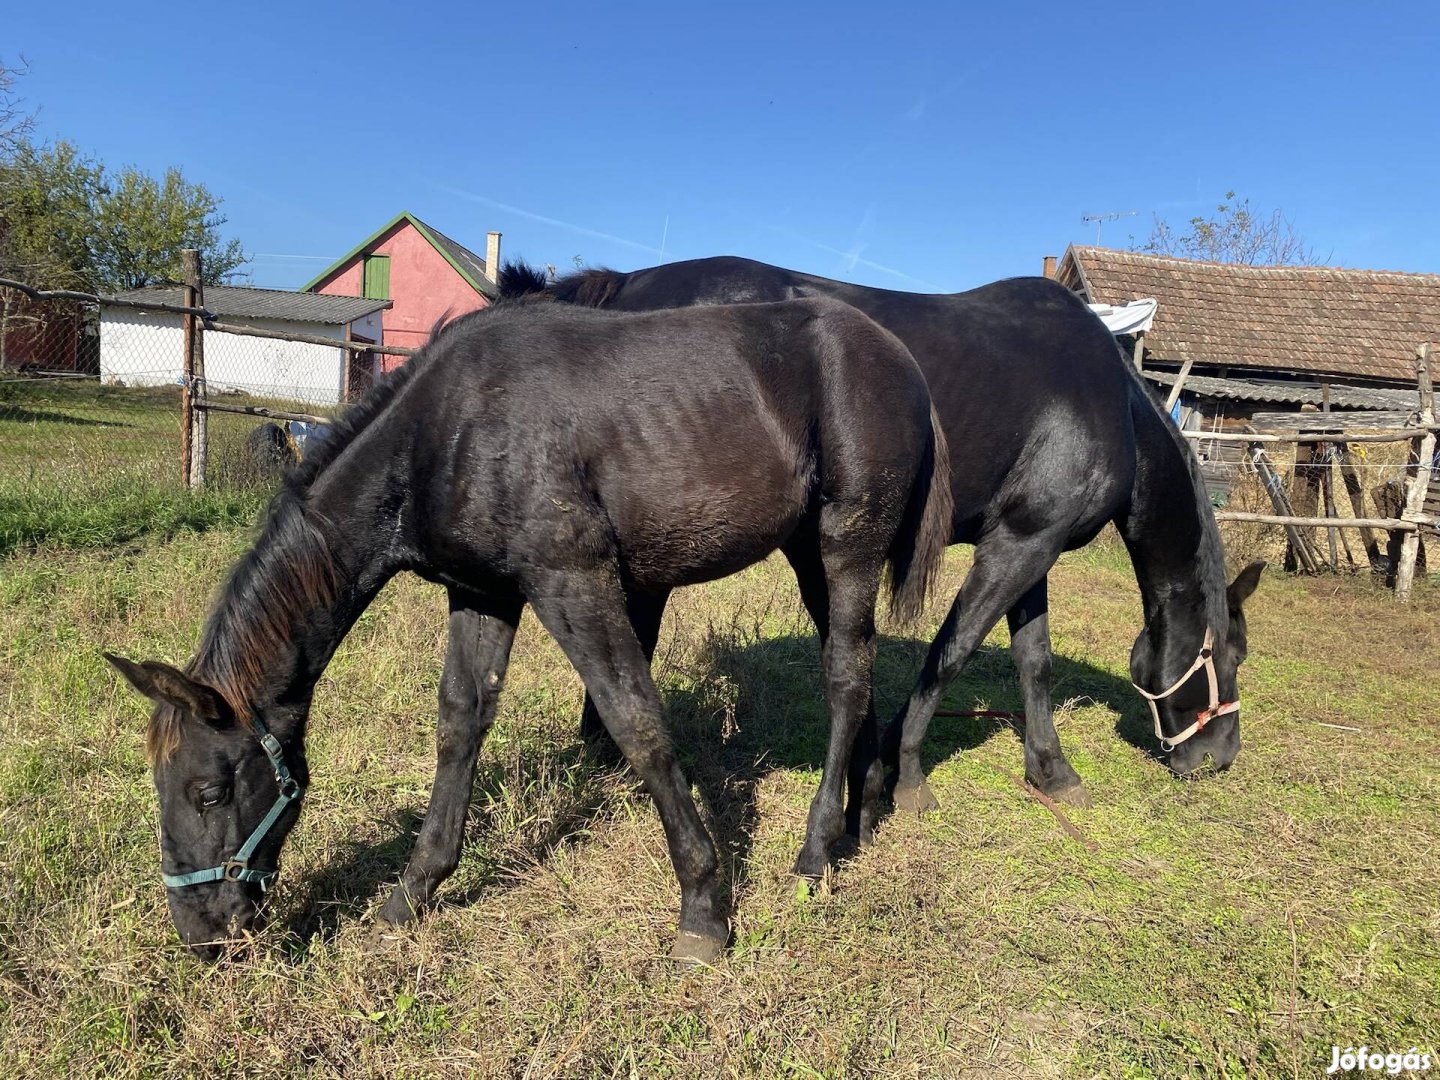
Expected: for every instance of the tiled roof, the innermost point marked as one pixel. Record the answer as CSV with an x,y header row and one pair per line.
x,y
1317,319
243,302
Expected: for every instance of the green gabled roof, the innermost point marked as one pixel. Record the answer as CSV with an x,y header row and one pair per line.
x,y
464,261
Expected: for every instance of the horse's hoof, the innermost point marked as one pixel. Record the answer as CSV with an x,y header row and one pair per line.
x,y
917,799
1074,795
810,866
691,949
399,910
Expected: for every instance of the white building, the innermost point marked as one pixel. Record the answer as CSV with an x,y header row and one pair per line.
x,y
144,348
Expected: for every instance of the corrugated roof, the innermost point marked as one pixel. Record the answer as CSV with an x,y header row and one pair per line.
x,y
1320,319
243,302
1341,397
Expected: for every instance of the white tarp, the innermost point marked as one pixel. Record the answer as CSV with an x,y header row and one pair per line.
x,y
1132,318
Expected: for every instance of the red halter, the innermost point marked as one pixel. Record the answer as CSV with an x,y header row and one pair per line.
x,y
1205,660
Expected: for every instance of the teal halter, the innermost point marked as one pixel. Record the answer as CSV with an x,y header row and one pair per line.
x,y
238,867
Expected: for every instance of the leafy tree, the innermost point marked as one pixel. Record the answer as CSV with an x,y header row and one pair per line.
x,y
48,199
1235,234
68,223
142,225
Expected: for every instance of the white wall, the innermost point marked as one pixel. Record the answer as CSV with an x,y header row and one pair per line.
x,y
144,349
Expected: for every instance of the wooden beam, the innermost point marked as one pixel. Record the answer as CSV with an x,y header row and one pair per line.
x,y
1386,435
1178,385
260,410
1335,522
307,339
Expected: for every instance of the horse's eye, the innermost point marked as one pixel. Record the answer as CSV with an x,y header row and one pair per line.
x,y
215,796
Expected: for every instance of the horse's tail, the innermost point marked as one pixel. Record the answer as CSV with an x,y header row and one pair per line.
x,y
924,534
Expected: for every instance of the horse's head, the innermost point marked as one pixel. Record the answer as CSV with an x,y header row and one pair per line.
x,y
1185,668
229,794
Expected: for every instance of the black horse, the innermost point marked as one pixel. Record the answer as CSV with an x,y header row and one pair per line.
x,y
1052,435
566,459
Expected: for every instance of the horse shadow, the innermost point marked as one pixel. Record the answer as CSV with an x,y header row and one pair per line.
x,y
770,714
739,708
36,416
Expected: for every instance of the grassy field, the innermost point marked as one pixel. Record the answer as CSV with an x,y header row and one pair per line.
x,y
1235,926
85,465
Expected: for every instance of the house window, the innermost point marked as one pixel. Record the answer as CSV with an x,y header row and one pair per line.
x,y
376,285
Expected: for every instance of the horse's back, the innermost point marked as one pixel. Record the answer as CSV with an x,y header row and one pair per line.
x,y
1029,385
695,439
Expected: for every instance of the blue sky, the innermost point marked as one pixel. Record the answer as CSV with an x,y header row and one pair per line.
x,y
920,146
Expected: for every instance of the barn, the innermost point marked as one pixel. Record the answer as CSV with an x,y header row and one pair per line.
x,y
144,348
1266,344
421,271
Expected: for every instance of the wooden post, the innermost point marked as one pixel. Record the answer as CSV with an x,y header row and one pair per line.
x,y
347,357
1420,482
1327,487
187,378
1179,384
193,397
1140,351
1350,474
1298,548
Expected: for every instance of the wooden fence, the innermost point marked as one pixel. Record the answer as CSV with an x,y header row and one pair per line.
x,y
1420,508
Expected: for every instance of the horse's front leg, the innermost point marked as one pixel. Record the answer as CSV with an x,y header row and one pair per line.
x,y
585,612
480,636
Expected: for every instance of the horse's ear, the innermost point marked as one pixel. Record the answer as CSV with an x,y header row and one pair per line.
x,y
161,682
1244,584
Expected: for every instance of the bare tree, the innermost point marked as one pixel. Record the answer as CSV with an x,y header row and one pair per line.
x,y
16,123
1235,234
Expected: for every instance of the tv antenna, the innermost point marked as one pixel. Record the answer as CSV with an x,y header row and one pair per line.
x,y
1100,219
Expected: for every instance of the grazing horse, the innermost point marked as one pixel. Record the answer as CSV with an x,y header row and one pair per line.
x,y
566,459
1052,435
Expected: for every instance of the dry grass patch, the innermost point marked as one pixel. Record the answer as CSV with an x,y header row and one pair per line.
x,y
1235,926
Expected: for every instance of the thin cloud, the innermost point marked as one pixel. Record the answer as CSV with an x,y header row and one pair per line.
x,y
853,257
581,230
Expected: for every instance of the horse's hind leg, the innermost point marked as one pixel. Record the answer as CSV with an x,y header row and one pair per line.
x,y
866,773
646,609
852,581
1045,764
1005,570
585,612
480,636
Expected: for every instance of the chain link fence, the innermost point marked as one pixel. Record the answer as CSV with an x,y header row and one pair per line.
x,y
93,391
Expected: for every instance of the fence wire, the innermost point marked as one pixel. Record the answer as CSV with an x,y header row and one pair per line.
x,y
91,398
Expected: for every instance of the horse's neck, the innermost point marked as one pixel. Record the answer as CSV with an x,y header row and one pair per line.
x,y
295,596
1170,534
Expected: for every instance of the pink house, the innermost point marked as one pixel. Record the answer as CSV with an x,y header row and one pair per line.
x,y
421,270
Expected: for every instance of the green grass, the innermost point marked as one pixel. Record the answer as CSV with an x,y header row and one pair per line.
x,y
1235,926
89,466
